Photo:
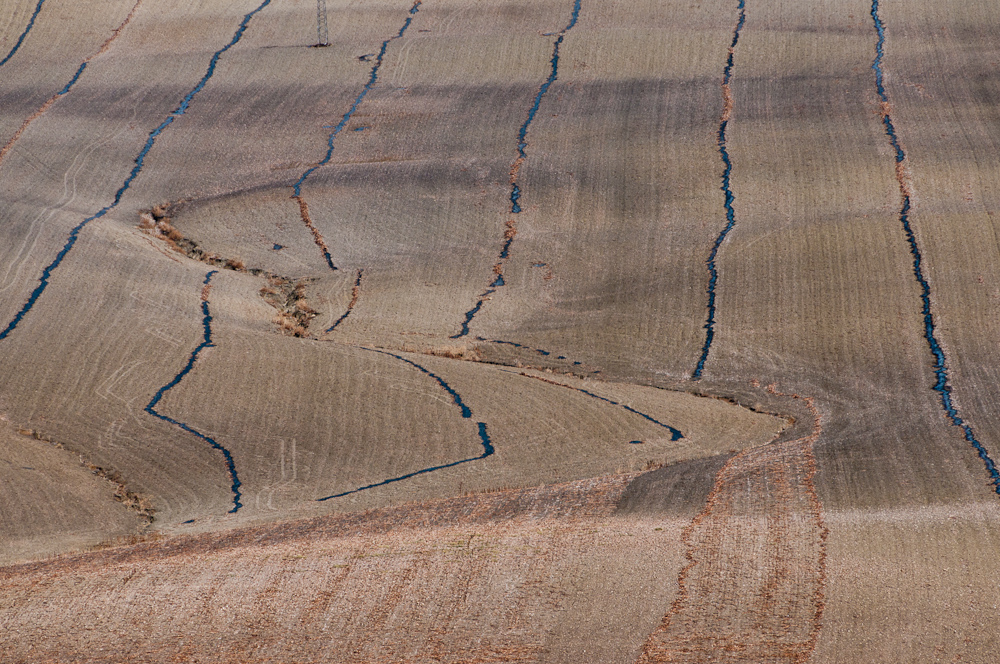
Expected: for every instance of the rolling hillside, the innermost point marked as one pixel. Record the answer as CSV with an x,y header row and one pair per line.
x,y
551,331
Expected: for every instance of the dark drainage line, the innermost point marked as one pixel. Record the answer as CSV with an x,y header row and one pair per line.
x,y
515,171
20,40
675,434
713,274
206,343
355,294
54,98
372,78
74,234
484,437
942,386
544,353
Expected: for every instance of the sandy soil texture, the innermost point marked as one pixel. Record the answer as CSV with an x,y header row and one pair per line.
x,y
549,331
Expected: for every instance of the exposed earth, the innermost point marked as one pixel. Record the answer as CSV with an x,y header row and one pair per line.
x,y
548,331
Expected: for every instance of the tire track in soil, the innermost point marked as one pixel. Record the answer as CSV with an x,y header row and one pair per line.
x,y
484,437
24,34
355,294
675,434
151,406
297,186
727,111
83,65
753,589
943,384
74,233
515,171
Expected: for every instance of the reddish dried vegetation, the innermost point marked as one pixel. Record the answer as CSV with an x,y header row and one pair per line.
x,y
753,588
284,294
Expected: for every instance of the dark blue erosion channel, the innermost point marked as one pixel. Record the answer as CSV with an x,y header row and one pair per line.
x,y
24,34
74,234
942,385
675,434
522,155
713,273
372,79
151,406
484,437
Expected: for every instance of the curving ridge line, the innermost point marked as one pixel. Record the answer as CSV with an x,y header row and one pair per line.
x,y
54,98
942,385
713,274
484,437
160,393
74,234
515,172
27,29
297,186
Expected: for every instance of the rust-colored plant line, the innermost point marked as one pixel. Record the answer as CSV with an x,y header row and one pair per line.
x,y
283,293
752,631
139,504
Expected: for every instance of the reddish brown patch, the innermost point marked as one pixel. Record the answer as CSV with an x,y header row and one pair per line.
x,y
753,587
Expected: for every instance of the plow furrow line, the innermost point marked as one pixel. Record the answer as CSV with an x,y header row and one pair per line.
x,y
372,79
151,406
713,273
675,434
942,385
136,170
515,172
355,294
484,437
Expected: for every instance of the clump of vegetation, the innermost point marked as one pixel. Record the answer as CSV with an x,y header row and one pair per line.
x,y
457,352
282,293
289,298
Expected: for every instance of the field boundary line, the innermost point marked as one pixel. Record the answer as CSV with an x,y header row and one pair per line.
x,y
748,632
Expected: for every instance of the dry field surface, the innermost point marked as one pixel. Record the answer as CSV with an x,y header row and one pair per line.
x,y
499,331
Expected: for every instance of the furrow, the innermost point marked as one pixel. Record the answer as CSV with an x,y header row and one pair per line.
x,y
51,100
675,434
940,361
540,351
355,294
713,273
372,79
515,172
27,29
74,234
206,343
484,437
